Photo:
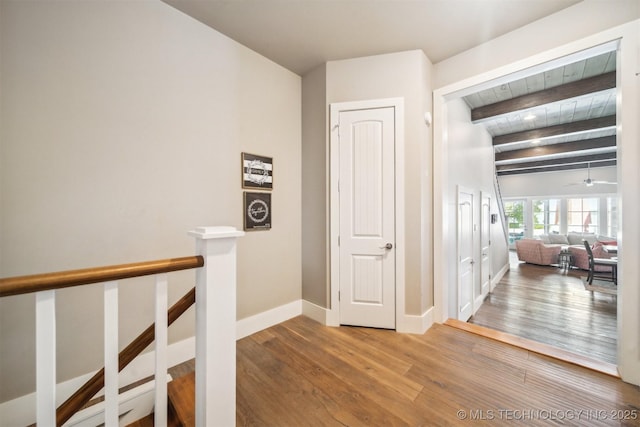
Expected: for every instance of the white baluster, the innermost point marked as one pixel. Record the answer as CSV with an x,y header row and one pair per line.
x,y
160,409
46,358
111,354
216,326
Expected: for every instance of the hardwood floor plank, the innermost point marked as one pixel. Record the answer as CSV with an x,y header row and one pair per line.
x,y
271,380
361,356
551,306
537,347
334,393
359,382
301,373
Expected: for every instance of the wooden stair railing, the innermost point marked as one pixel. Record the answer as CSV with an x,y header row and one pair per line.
x,y
84,394
58,280
215,345
64,279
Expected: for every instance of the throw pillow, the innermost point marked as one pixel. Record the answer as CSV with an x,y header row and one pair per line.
x,y
606,240
574,238
545,238
558,239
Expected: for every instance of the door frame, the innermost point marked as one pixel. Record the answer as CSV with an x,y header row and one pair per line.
x,y
625,38
333,313
462,190
485,223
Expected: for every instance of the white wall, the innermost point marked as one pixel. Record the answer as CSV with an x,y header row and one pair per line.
x,y
122,128
470,165
565,183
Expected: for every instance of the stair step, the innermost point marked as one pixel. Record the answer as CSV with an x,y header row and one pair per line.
x,y
172,421
172,417
182,398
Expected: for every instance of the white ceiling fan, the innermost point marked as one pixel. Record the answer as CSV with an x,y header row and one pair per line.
x,y
590,182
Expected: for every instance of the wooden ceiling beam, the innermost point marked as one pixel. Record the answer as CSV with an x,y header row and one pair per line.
x,y
557,130
565,147
558,168
547,96
593,158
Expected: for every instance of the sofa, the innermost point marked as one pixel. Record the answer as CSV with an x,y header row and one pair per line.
x,y
534,251
545,250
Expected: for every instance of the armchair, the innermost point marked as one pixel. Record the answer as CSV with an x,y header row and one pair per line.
x,y
536,252
581,257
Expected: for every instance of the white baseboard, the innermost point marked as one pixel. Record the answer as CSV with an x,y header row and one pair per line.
x,y
266,319
315,312
497,277
411,324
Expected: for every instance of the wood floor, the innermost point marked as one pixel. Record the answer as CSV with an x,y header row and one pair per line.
x,y
545,304
300,373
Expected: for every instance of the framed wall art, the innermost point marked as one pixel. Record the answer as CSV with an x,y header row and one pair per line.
x,y
257,211
257,172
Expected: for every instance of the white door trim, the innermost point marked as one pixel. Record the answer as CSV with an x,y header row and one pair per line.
x,y
441,203
333,316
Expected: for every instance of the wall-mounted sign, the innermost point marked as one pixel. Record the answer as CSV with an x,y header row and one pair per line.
x,y
257,211
257,172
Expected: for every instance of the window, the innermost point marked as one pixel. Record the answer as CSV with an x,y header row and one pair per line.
x,y
546,217
514,211
612,216
582,215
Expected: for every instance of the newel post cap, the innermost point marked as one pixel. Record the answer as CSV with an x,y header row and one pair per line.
x,y
215,232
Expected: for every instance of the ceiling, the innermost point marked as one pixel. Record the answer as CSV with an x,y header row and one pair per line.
x,y
573,105
561,119
303,34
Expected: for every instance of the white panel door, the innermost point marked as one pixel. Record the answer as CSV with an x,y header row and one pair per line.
x,y
465,255
367,217
485,246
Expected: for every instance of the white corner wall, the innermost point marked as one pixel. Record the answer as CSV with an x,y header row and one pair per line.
x,y
122,125
315,189
406,75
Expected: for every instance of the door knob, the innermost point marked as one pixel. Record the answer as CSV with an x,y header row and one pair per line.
x,y
387,246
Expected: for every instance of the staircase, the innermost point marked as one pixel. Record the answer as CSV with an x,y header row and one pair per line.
x,y
174,403
181,408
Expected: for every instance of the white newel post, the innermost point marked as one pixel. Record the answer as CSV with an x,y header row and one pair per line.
x,y
216,326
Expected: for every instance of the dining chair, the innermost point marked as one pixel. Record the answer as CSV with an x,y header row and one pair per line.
x,y
609,274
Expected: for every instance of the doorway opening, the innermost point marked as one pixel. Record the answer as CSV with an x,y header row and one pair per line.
x,y
514,152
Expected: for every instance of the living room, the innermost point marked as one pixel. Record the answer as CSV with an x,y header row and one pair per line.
x,y
542,202
559,209
545,297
